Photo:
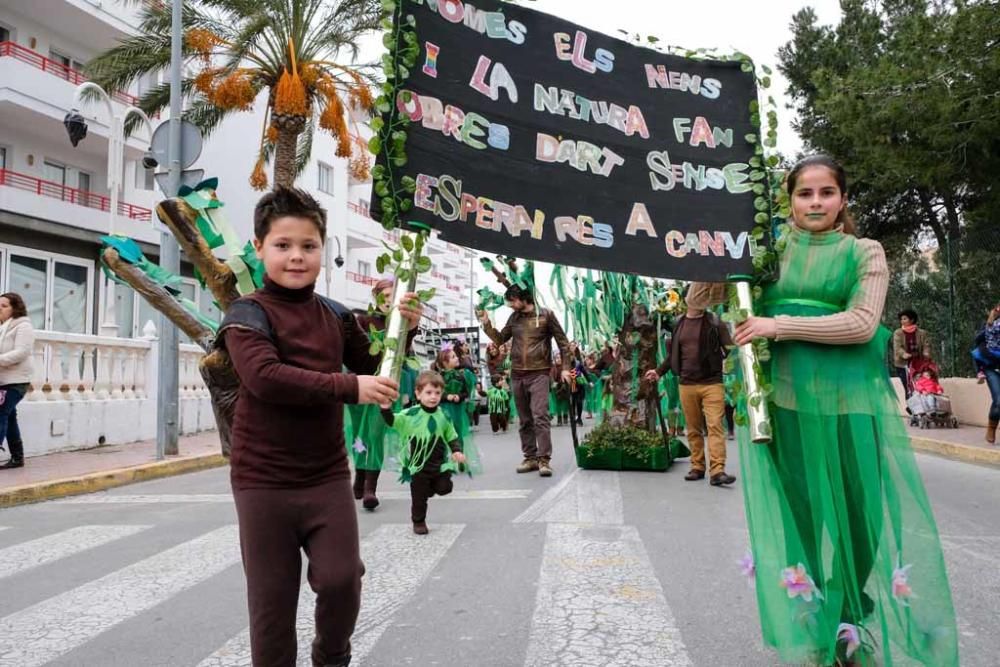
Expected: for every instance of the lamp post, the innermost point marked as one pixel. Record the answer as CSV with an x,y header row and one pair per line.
x,y
76,126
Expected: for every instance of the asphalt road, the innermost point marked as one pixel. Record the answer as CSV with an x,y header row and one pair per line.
x,y
582,569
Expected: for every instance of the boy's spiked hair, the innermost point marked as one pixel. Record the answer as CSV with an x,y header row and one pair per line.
x,y
293,202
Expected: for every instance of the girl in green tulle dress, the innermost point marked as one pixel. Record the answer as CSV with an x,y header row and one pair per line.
x,y
844,550
456,392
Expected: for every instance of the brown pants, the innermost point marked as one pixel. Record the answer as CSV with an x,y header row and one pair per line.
x,y
423,486
275,524
701,403
531,396
499,421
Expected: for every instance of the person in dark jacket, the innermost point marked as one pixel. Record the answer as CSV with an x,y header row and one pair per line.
x,y
697,350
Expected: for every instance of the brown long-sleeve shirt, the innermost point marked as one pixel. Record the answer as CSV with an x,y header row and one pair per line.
x,y
288,427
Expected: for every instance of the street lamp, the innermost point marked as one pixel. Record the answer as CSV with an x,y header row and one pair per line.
x,y
76,128
338,260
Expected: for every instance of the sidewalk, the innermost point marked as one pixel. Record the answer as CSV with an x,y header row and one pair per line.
x,y
966,443
100,468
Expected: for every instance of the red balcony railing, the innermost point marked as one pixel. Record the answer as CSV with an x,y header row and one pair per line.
x,y
364,280
37,60
359,209
76,196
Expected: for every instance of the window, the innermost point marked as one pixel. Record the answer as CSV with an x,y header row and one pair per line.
x,y
57,289
325,178
4,34
364,268
54,172
27,278
3,157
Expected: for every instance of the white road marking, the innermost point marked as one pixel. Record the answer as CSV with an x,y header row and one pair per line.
x,y
226,498
44,550
43,632
396,563
600,604
586,496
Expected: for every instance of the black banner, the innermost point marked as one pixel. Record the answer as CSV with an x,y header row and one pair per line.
x,y
536,138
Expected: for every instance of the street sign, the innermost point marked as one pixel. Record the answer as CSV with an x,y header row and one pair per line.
x,y
191,144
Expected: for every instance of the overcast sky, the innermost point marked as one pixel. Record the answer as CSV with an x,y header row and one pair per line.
x,y
758,29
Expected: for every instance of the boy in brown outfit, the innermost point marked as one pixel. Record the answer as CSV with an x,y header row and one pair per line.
x,y
289,471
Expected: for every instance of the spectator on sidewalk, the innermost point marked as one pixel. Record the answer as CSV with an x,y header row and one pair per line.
x,y
696,353
986,356
910,346
17,338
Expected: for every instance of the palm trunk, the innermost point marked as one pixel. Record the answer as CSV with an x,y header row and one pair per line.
x,y
286,149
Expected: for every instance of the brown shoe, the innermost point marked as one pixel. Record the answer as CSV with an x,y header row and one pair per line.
x,y
544,469
370,501
722,479
529,464
420,527
694,475
359,484
991,432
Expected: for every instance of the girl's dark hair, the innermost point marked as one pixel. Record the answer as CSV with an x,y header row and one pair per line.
x,y
440,359
839,175
909,312
291,202
16,303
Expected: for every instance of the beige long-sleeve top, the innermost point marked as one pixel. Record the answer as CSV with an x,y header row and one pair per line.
x,y
856,324
17,339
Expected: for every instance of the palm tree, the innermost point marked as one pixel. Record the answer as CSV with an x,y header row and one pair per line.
x,y
235,49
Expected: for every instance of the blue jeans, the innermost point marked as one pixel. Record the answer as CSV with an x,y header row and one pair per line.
x,y
8,416
993,381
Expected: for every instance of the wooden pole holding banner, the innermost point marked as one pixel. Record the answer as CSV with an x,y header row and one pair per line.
x,y
760,422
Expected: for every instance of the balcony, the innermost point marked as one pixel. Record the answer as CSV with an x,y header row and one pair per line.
x,y
42,188
38,61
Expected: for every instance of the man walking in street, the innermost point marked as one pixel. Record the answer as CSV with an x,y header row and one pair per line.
x,y
696,353
531,331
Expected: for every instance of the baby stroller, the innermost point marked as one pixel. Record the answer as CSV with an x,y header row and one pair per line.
x,y
928,410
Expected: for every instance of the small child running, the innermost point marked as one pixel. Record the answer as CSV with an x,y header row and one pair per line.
x,y
425,433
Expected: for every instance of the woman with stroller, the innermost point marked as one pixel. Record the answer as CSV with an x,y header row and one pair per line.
x,y
911,348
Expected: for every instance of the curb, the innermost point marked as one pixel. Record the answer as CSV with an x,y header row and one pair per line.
x,y
109,479
957,452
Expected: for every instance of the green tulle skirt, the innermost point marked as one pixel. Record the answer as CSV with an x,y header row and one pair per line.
x,y
845,555
458,414
558,403
594,394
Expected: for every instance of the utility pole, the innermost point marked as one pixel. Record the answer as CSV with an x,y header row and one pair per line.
x,y
167,412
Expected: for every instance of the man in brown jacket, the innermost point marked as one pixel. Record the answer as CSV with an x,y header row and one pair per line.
x,y
531,330
697,349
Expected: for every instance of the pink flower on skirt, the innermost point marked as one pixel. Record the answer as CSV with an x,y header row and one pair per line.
x,y
799,584
748,568
901,590
359,446
851,636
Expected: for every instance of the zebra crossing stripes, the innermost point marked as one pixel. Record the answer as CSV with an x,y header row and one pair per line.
x,y
585,496
48,549
53,627
396,563
599,603
227,498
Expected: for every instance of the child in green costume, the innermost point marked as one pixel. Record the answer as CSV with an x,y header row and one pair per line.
x,y
456,392
845,554
499,400
426,436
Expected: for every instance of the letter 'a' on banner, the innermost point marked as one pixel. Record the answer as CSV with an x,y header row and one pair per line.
x,y
533,137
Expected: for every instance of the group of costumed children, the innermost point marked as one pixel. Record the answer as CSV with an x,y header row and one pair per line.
x,y
431,416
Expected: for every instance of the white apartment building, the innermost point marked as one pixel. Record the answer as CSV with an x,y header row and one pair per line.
x,y
55,206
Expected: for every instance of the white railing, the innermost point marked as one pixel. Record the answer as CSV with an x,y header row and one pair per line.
x,y
76,367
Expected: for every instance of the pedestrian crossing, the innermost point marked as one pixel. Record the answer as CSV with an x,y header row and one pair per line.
x,y
597,600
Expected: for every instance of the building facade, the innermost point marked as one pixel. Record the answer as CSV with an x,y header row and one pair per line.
x,y
55,206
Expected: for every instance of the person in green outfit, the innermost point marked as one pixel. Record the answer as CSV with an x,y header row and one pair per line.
x,y
363,425
430,447
844,549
